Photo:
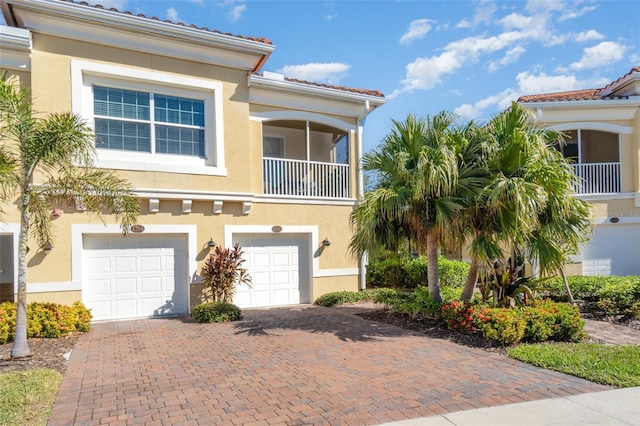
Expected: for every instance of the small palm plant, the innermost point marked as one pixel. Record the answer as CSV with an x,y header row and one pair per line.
x,y
223,271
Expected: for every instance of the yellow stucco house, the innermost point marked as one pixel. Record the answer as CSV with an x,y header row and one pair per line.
x,y
216,149
603,140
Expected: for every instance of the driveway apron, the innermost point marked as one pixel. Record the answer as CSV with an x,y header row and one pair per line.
x,y
295,365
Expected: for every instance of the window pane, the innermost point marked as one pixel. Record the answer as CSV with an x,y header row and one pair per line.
x,y
171,109
128,136
119,103
179,140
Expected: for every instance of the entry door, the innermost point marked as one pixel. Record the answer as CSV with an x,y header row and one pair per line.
x,y
6,268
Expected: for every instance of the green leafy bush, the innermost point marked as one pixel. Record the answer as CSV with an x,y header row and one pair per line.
x,y
340,298
387,273
216,312
411,273
45,320
619,295
544,320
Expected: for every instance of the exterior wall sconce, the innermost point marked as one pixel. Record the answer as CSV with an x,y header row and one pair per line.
x,y
211,244
47,247
326,242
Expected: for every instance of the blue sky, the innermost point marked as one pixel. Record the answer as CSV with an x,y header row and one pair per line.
x,y
469,57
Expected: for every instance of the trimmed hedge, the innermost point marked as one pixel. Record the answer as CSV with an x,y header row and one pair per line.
x,y
216,312
387,296
614,295
411,273
44,320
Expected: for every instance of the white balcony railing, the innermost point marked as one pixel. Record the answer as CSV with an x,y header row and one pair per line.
x,y
597,178
305,178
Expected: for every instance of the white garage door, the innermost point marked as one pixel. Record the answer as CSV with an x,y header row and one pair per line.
x,y
134,276
613,250
278,266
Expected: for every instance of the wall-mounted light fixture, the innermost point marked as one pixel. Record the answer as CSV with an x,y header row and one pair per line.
x,y
211,243
326,242
47,247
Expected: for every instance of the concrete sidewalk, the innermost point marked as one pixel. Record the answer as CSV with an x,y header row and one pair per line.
x,y
614,407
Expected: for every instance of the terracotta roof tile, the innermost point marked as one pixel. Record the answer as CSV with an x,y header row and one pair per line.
x,y
181,24
376,93
577,95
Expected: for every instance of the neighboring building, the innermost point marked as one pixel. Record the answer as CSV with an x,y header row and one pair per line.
x,y
215,152
602,128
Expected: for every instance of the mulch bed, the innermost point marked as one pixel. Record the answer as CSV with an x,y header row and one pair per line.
x,y
45,353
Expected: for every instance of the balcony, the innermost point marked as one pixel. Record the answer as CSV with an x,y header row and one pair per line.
x,y
597,178
300,178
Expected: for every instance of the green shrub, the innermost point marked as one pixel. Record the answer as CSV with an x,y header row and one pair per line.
x,y
453,273
505,325
44,320
544,320
386,273
216,312
340,298
7,321
386,296
618,295
411,273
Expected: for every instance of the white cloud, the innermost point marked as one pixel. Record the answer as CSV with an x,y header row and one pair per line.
x,y
588,36
108,4
604,53
416,31
236,12
331,17
483,15
529,84
172,14
576,13
330,73
196,1
500,101
511,56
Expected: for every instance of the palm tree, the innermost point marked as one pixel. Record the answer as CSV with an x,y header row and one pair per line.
x,y
417,168
47,161
527,203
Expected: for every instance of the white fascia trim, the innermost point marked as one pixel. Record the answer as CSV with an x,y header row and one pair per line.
x,y
139,24
311,230
307,90
82,104
176,194
603,197
15,39
594,103
341,272
281,199
77,232
589,125
629,78
621,220
265,117
13,229
53,287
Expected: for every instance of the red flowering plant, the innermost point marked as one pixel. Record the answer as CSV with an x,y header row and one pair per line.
x,y
459,315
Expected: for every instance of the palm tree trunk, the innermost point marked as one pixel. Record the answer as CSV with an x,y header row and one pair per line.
x,y
566,286
432,266
472,279
20,346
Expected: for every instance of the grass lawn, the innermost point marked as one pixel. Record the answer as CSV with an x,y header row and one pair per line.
x,y
605,364
27,397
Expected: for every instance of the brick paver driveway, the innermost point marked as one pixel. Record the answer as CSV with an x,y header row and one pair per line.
x,y
295,365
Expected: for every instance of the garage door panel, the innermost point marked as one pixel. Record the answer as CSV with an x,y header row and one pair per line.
x,y
613,250
134,276
275,266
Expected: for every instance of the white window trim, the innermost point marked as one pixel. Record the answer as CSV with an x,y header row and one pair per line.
x,y
84,74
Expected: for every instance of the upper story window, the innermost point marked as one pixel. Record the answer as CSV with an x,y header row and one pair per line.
x,y
163,122
146,122
591,146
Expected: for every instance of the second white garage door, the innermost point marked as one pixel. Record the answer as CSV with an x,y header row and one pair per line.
x,y
613,250
279,269
134,276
